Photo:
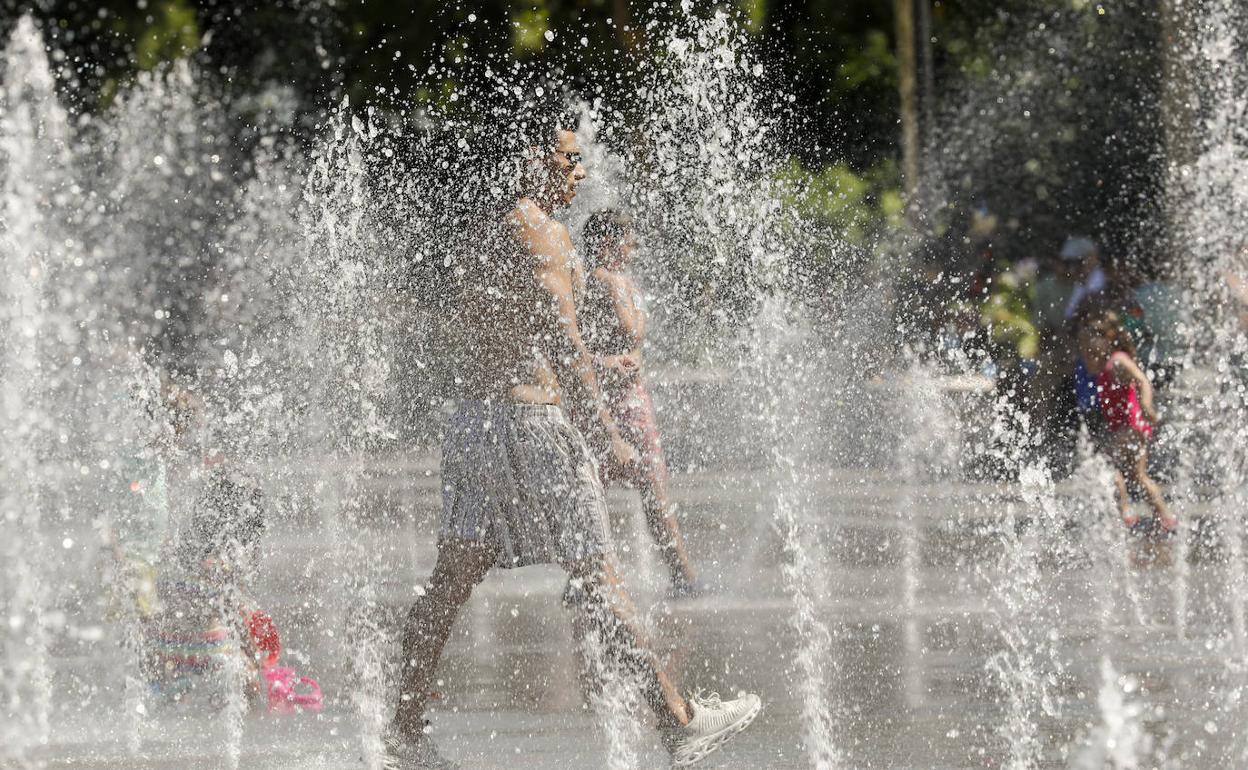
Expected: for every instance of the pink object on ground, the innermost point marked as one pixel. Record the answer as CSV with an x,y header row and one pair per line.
x,y
283,699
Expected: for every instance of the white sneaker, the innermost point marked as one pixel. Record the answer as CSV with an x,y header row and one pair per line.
x,y
713,723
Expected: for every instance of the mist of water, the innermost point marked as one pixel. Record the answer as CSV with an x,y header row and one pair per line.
x,y
299,308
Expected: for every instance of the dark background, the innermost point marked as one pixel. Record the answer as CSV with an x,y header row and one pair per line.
x,y
1042,112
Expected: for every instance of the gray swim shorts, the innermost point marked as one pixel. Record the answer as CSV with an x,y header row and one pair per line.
x,y
520,476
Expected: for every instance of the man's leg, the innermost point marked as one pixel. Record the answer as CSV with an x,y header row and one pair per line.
x,y
610,611
690,728
460,568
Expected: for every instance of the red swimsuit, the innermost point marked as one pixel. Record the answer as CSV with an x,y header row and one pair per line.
x,y
1119,402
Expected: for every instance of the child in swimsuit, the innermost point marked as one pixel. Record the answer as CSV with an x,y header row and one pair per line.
x,y
614,329
1125,399
203,615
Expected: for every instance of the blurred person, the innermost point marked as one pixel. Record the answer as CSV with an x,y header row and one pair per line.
x,y
984,262
1052,292
1081,259
160,454
1237,289
1063,388
1149,313
1161,312
1126,411
203,607
519,483
615,327
197,630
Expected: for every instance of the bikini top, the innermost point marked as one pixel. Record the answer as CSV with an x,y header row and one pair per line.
x,y
1112,394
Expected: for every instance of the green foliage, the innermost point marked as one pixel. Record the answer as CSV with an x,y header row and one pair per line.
x,y
857,207
754,13
1047,113
842,67
836,55
873,63
1045,110
170,33
1007,315
529,27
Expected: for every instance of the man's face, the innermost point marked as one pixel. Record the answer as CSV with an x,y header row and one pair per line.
x,y
565,167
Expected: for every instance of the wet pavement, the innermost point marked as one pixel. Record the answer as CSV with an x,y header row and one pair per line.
x,y
932,590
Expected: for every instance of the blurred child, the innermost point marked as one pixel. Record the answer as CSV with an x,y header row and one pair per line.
x,y
1124,396
204,614
185,547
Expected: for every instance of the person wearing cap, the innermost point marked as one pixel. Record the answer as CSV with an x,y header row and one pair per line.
x,y
1082,260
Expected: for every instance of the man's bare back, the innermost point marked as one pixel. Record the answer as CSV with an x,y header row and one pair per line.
x,y
509,313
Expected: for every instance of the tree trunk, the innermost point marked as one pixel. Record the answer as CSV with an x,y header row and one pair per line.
x,y
1178,115
927,105
907,80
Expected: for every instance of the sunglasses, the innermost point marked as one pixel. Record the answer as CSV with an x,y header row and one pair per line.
x,y
573,157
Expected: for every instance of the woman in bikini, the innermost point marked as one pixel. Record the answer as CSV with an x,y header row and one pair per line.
x,y
615,327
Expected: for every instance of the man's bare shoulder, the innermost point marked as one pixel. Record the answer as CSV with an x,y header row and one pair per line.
x,y
527,215
539,234
528,219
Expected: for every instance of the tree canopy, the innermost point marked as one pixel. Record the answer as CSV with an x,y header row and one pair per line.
x,y
1043,111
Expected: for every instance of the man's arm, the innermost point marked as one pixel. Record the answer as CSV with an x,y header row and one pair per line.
x,y
562,343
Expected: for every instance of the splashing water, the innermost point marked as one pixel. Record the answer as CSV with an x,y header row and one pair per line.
x,y
708,95
33,145
1208,195
1028,665
288,305
1119,741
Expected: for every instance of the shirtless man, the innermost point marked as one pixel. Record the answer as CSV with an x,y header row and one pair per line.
x,y
519,487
